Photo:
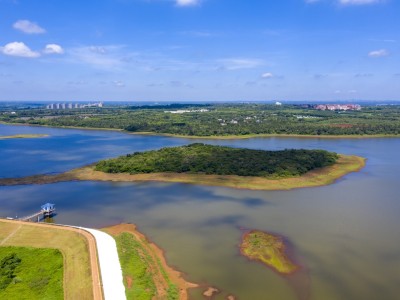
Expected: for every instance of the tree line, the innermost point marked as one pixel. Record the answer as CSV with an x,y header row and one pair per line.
x,y
222,120
220,160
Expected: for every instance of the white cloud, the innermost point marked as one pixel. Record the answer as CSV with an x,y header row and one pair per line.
x,y
240,63
383,40
187,2
349,2
378,53
119,83
98,49
53,49
359,2
363,75
29,27
198,33
103,57
18,49
267,75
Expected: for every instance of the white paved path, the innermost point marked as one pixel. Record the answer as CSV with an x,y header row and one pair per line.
x,y
110,267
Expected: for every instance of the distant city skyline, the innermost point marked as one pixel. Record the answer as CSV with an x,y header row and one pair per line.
x,y
199,50
73,105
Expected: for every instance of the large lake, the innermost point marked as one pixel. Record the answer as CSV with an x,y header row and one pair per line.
x,y
346,235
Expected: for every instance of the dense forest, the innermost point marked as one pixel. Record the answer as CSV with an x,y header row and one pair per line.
x,y
220,119
220,160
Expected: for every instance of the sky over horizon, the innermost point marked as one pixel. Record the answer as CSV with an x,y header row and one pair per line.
x,y
199,50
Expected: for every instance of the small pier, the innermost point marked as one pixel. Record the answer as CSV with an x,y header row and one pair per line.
x,y
47,210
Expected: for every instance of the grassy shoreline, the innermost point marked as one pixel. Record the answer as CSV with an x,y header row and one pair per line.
x,y
146,272
251,136
63,127
346,164
216,137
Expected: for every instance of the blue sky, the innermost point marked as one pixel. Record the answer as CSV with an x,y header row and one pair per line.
x,y
170,50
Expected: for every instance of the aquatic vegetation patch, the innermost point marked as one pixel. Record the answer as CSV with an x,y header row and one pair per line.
x,y
268,249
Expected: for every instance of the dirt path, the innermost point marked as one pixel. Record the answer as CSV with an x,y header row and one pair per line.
x,y
97,288
10,235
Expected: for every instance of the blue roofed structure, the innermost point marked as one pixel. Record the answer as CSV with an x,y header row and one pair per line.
x,y
48,207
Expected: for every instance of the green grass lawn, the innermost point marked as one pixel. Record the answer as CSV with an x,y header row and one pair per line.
x,y
31,273
77,275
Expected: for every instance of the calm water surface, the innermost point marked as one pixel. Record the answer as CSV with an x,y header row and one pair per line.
x,y
346,235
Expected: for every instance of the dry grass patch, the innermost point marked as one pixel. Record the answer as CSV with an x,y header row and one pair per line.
x,y
5,230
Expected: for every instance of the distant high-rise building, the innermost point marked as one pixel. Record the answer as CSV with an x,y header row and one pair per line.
x,y
334,107
73,105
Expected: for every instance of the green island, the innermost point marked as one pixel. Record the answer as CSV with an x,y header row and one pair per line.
x,y
220,160
221,120
268,249
31,273
216,166
23,136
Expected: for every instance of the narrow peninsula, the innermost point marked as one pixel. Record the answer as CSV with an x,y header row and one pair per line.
x,y
217,166
22,136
